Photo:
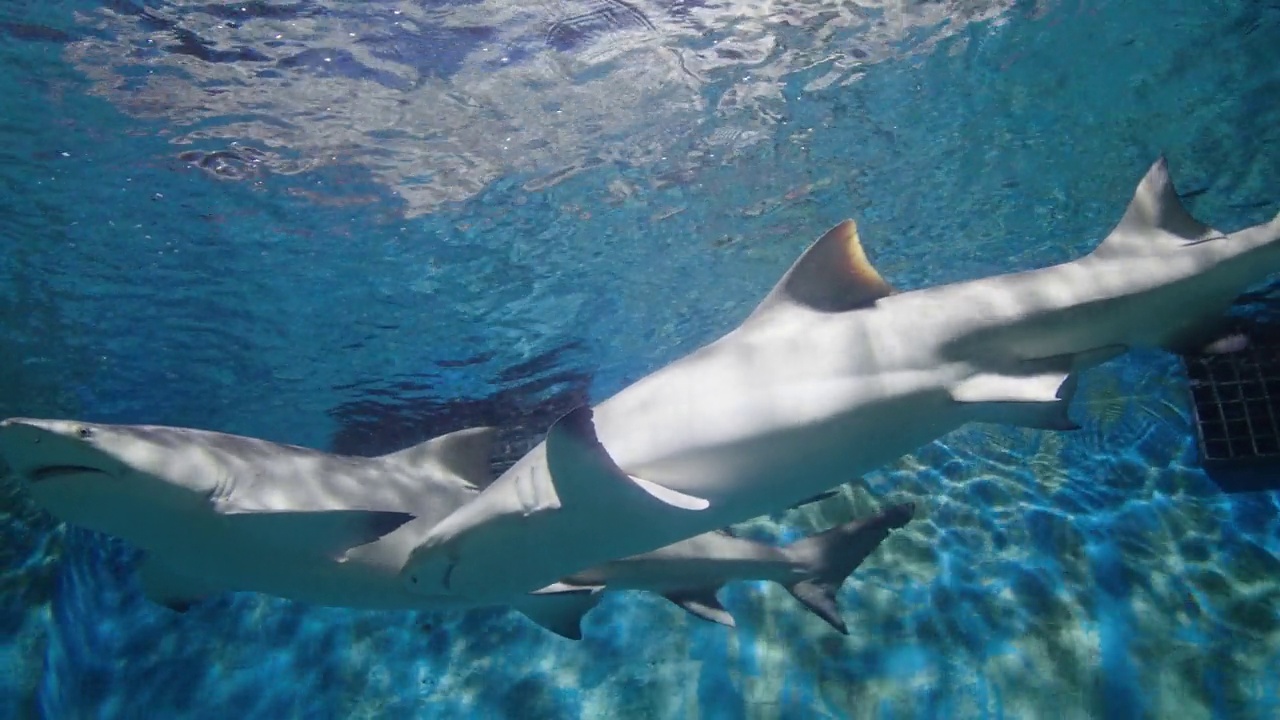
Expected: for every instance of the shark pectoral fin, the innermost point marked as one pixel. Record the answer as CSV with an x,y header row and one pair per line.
x,y
1000,388
167,587
674,498
330,533
585,476
813,499
833,555
1035,395
832,275
1034,401
561,613
466,454
1214,336
1234,342
561,588
702,603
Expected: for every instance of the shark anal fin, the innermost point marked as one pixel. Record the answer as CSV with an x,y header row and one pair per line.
x,y
832,275
702,603
329,533
465,454
560,612
584,475
169,588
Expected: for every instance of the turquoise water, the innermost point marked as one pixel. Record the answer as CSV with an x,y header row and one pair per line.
x,y
357,225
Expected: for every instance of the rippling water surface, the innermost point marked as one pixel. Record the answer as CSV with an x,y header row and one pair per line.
x,y
354,225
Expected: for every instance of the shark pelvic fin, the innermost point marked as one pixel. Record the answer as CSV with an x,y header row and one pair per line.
x,y
702,603
465,454
561,612
814,499
167,587
330,533
832,275
1155,215
585,475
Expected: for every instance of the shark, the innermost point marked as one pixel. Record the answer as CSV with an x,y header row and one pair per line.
x,y
837,373
215,512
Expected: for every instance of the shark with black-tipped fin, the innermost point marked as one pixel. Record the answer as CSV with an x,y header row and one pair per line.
x,y
835,374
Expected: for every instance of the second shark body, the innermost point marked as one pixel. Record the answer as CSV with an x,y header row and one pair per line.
x,y
217,512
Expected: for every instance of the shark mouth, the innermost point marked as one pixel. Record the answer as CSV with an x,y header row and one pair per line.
x,y
56,471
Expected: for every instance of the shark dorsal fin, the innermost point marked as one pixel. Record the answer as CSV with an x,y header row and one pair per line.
x,y
832,275
463,453
1154,218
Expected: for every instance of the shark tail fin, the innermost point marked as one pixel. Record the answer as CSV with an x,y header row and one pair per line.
x,y
1154,216
834,555
465,454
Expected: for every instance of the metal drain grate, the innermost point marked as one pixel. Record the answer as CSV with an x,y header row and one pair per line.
x,y
1236,399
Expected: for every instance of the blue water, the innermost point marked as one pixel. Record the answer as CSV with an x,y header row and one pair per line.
x,y
355,225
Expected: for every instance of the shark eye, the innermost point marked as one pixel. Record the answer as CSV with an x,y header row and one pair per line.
x,y
84,432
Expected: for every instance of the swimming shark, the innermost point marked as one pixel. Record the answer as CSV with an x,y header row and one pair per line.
x,y
835,374
216,512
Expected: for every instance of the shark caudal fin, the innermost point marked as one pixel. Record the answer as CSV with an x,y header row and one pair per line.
x,y
1155,220
464,454
835,554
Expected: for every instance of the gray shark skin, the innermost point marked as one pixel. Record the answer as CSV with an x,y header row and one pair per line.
x,y
836,374
217,512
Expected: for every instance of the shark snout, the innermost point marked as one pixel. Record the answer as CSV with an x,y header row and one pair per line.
x,y
44,449
65,428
